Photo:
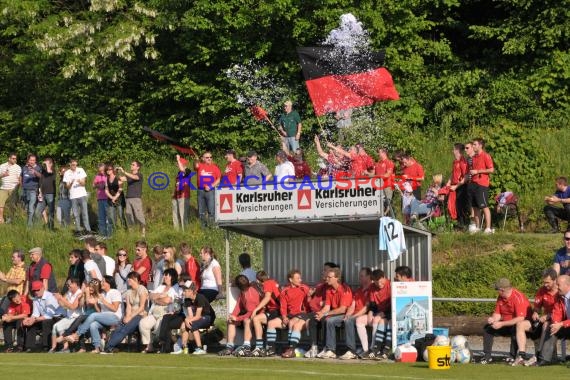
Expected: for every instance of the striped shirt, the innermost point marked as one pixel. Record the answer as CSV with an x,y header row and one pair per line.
x,y
12,179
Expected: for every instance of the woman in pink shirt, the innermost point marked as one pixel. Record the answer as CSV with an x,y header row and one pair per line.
x,y
99,183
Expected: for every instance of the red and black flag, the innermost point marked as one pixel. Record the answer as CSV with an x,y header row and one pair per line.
x,y
338,81
170,141
258,113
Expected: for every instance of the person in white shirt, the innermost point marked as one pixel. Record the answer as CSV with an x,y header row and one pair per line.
x,y
245,262
74,179
111,314
9,180
284,171
210,274
162,299
90,267
101,248
70,302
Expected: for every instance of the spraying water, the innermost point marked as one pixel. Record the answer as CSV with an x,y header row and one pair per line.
x,y
349,40
350,37
254,84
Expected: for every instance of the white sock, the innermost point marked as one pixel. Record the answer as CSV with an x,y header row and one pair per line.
x,y
363,336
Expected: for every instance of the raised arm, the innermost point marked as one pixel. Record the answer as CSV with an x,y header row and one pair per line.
x,y
319,149
338,149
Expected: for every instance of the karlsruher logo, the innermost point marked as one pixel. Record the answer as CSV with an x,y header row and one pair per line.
x,y
304,199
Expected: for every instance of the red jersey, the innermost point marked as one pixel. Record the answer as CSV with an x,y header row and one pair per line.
x,y
247,301
302,168
183,191
559,312
233,170
413,172
517,305
384,167
360,297
207,174
293,300
271,286
318,299
23,308
482,160
458,171
359,164
382,298
143,263
192,268
545,300
342,296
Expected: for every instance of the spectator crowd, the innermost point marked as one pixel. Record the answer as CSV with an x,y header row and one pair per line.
x,y
106,299
464,196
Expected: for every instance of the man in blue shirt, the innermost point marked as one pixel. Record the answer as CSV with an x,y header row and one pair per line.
x,y
46,312
30,183
562,196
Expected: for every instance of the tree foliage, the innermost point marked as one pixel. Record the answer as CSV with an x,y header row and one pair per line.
x,y
81,77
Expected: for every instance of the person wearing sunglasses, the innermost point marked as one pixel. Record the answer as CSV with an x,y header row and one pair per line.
x,y
123,267
209,176
562,257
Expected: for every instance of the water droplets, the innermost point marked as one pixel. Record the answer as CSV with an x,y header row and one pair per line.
x,y
253,84
350,36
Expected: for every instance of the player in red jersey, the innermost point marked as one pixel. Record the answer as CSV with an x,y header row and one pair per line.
x,y
356,316
538,326
337,301
241,316
511,307
234,169
380,314
560,325
269,307
293,310
457,199
482,167
413,172
361,164
403,274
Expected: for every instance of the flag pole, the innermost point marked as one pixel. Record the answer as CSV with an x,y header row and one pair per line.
x,y
272,125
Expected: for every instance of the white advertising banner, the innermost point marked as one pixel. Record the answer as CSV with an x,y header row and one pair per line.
x,y
300,200
412,313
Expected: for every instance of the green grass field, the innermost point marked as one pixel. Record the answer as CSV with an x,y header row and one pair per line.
x,y
138,366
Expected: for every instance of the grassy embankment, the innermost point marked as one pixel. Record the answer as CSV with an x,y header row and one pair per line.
x,y
464,266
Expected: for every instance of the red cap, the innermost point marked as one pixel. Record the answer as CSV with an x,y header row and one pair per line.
x,y
183,161
37,285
